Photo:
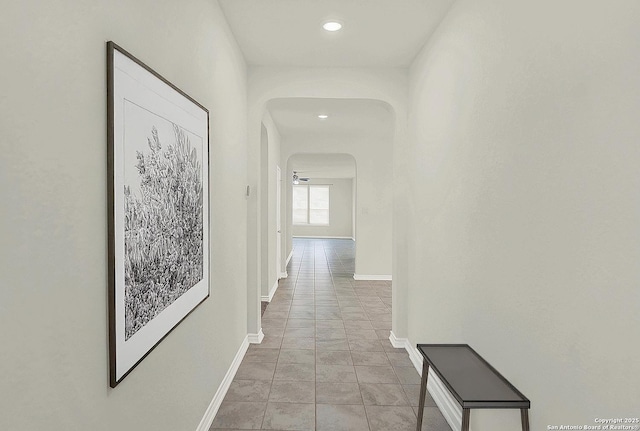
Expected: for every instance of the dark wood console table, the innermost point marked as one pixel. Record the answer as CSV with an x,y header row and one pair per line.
x,y
473,382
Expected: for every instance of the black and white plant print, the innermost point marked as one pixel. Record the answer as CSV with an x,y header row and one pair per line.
x,y
163,225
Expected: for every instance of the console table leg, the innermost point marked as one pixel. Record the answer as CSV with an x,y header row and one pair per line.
x,y
423,393
524,415
465,419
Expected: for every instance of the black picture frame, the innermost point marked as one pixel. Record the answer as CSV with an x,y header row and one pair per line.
x,y
158,209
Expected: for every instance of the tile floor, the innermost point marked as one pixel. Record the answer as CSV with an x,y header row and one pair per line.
x,y
326,362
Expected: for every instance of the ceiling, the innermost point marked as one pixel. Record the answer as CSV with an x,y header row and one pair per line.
x,y
347,118
297,118
289,33
375,33
323,165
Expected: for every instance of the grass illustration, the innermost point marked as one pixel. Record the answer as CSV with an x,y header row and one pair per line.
x,y
163,230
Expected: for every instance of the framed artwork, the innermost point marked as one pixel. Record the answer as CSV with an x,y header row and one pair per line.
x,y
158,203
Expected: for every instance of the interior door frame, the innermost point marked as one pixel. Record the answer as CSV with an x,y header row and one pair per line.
x,y
278,250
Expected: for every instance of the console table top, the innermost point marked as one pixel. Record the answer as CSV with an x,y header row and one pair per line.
x,y
472,380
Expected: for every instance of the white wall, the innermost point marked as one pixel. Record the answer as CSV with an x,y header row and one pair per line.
x,y
269,184
387,85
523,154
264,217
53,223
354,199
374,191
340,210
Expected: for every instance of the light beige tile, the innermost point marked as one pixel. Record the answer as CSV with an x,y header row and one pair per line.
x,y
334,357
338,393
383,394
331,334
370,358
255,354
385,418
341,418
400,359
292,392
308,332
295,372
332,345
365,346
358,324
413,395
368,374
239,415
300,323
248,390
255,371
335,373
433,420
269,342
321,323
289,416
297,356
298,343
407,375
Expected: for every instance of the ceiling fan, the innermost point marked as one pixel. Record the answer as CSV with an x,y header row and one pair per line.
x,y
297,179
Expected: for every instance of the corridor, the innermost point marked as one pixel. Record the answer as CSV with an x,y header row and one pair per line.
x,y
326,362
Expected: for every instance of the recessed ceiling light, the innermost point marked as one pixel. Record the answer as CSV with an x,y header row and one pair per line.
x,y
323,116
332,26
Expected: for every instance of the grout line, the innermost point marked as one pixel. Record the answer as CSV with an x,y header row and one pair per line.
x,y
325,262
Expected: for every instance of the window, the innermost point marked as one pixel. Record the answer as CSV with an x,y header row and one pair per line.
x,y
310,204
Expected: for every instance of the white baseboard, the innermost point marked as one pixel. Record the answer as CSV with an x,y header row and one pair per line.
x,y
322,237
289,258
256,338
372,277
448,405
214,406
398,343
284,274
272,292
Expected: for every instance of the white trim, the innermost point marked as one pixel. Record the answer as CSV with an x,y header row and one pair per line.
x,y
284,274
214,406
322,237
312,225
289,258
272,292
353,239
398,343
256,338
448,405
372,277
